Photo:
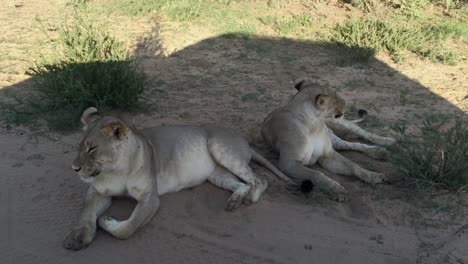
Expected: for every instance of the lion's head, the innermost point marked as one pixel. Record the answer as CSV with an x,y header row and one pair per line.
x,y
326,101
103,137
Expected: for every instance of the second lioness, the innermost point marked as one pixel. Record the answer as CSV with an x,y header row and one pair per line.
x,y
300,132
116,160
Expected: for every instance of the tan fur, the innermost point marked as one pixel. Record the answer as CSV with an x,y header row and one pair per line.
x,y
116,160
342,127
299,132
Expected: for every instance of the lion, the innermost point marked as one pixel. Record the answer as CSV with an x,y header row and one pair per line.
x,y
301,133
118,160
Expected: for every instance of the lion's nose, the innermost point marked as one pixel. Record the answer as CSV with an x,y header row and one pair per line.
x,y
76,168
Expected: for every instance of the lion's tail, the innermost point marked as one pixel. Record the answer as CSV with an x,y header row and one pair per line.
x,y
362,116
263,161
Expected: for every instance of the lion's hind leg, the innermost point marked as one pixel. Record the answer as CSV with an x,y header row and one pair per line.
x,y
235,157
226,180
243,171
297,170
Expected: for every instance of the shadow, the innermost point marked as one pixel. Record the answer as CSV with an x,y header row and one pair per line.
x,y
234,81
219,80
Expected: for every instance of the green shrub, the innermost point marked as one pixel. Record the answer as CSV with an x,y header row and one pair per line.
x,y
436,158
411,8
393,36
90,68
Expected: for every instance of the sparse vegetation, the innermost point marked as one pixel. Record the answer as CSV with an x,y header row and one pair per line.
x,y
230,22
410,8
426,40
435,158
184,10
177,10
90,68
288,25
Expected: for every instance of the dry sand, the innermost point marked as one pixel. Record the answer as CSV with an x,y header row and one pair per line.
x,y
41,199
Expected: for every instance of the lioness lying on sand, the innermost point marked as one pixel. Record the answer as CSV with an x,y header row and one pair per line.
x,y
115,160
299,132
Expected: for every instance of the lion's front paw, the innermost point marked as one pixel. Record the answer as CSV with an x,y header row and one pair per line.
x,y
114,227
78,238
386,141
378,153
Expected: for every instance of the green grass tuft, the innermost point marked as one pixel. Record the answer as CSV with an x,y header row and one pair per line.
x,y
288,25
176,10
183,10
364,5
137,7
231,22
437,158
409,8
421,38
91,68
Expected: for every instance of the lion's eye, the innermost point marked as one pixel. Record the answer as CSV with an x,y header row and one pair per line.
x,y
92,149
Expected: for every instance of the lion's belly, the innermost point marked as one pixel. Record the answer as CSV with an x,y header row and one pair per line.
x,y
317,146
190,165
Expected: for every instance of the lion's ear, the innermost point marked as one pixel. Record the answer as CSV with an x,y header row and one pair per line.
x,y
89,115
321,100
299,85
115,129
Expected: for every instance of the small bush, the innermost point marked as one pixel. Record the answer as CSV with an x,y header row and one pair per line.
x,y
423,39
91,68
436,158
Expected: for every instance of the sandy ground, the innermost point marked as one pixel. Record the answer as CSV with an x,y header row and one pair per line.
x,y
235,82
41,199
